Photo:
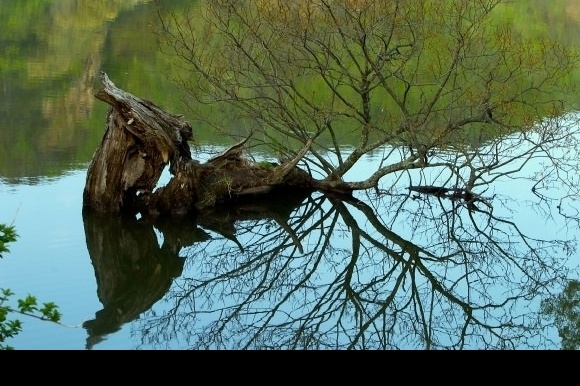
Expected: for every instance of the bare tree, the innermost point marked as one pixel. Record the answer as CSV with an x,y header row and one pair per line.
x,y
436,87
447,101
421,77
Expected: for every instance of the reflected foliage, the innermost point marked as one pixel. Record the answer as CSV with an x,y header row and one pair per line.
x,y
565,309
51,53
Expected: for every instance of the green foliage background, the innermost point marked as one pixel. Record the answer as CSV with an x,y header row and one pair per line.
x,y
52,50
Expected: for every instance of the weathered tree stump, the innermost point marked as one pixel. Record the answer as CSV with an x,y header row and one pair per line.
x,y
141,140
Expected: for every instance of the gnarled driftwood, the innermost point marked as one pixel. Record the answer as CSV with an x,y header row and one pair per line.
x,y
141,140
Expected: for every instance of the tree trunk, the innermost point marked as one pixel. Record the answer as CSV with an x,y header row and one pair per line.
x,y
141,140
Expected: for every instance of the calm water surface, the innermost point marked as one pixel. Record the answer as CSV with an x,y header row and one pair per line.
x,y
50,124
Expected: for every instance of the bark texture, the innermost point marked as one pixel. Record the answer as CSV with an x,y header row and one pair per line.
x,y
141,140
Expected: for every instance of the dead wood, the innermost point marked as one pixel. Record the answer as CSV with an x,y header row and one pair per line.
x,y
141,140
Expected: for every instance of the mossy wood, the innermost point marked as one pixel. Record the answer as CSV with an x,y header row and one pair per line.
x,y
141,139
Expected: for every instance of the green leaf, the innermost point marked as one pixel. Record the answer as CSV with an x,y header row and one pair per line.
x,y
7,235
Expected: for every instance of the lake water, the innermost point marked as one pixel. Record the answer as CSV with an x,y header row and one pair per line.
x,y
255,286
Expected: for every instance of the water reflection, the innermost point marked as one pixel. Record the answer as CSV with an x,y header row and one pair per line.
x,y
409,272
132,271
565,309
52,53
324,269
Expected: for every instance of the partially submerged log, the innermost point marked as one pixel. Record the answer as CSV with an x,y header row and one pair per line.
x,y
141,140
454,194
463,196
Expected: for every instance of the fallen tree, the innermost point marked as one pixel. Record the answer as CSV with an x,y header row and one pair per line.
x,y
442,96
141,140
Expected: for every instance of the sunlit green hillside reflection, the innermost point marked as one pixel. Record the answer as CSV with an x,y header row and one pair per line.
x,y
50,121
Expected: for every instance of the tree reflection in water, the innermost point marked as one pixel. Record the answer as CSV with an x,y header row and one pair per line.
x,y
360,285
565,309
132,271
412,271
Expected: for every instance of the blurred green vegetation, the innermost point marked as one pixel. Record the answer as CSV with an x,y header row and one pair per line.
x,y
53,50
